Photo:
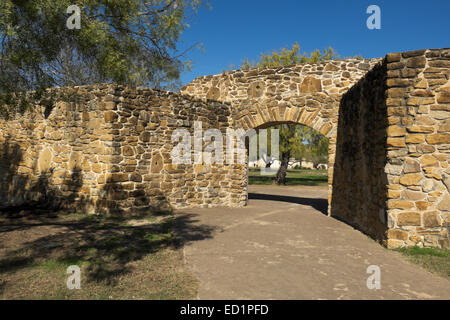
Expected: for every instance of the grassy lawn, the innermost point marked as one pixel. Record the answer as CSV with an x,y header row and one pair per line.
x,y
434,260
133,258
294,177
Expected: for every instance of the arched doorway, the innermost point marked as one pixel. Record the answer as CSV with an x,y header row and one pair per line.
x,y
306,94
296,172
316,111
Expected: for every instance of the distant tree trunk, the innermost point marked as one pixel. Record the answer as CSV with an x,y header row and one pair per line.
x,y
281,174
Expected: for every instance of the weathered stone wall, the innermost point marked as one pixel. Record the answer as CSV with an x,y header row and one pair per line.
x,y
106,148
332,78
418,144
306,94
391,177
359,181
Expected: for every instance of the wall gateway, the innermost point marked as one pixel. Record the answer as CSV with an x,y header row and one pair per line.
x,y
107,148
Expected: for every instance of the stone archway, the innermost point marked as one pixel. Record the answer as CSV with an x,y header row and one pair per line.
x,y
307,94
387,120
317,111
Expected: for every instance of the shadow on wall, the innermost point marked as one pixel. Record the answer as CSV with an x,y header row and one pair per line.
x,y
359,180
107,246
125,192
21,191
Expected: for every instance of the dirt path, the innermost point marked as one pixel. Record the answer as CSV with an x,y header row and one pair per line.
x,y
283,246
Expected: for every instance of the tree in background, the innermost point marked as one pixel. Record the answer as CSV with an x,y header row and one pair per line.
x,y
296,141
286,57
299,142
133,42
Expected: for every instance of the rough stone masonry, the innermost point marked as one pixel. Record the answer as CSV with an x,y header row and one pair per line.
x,y
106,148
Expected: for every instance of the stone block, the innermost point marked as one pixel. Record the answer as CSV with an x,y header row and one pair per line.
x,y
416,62
440,138
310,85
411,179
397,234
400,204
408,219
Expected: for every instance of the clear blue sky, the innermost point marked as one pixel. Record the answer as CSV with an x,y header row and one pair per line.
x,y
233,29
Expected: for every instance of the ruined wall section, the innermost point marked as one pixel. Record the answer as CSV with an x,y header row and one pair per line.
x,y
418,147
56,155
106,148
333,78
359,181
392,176
143,122
307,94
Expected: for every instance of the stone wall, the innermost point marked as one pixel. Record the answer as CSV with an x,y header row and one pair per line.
x,y
359,181
418,147
392,176
307,94
106,148
333,78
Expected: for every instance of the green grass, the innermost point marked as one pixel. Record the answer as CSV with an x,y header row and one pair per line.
x,y
432,259
119,258
417,251
104,219
55,264
294,177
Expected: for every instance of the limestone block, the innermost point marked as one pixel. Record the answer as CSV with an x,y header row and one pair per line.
x,y
310,85
409,219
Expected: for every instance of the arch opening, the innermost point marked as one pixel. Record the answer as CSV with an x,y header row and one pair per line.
x,y
302,160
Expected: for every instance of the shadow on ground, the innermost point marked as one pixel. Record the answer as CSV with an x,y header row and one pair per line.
x,y
105,246
317,203
290,181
